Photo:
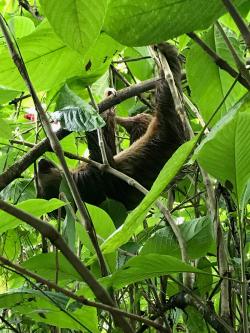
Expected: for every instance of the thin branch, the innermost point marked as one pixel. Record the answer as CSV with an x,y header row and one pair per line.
x,y
18,99
196,112
7,323
99,130
242,26
127,83
218,60
130,60
31,9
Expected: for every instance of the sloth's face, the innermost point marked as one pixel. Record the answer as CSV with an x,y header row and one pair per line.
x,y
49,179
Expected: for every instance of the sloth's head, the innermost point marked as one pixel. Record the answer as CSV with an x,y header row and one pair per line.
x,y
49,179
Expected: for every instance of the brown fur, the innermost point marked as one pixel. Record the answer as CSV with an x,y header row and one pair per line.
x,y
143,160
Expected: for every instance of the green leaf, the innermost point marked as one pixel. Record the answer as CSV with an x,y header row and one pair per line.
x,y
103,224
197,234
209,84
136,22
50,62
74,113
116,210
50,264
245,196
195,321
204,282
135,218
104,227
67,97
78,119
77,22
7,95
148,266
142,69
224,153
47,308
21,26
36,207
5,130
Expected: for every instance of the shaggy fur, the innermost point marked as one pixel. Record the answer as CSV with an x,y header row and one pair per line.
x,y
154,140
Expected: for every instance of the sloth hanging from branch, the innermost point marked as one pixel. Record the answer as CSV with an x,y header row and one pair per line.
x,y
153,141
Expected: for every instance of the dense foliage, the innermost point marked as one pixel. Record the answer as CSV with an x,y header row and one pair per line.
x,y
180,261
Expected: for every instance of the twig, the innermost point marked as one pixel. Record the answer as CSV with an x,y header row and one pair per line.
x,y
18,99
7,323
196,112
80,299
130,60
127,83
218,60
245,32
55,144
99,131
31,9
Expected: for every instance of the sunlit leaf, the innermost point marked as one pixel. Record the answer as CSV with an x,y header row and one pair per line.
x,y
136,22
135,218
77,22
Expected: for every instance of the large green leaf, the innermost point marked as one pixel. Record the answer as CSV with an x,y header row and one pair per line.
x,y
46,308
75,114
103,224
225,152
7,95
5,129
135,218
209,84
197,234
148,266
36,207
50,264
104,227
50,62
76,119
77,22
137,22
21,26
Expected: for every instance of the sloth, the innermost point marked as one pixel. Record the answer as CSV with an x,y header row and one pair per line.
x,y
153,141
